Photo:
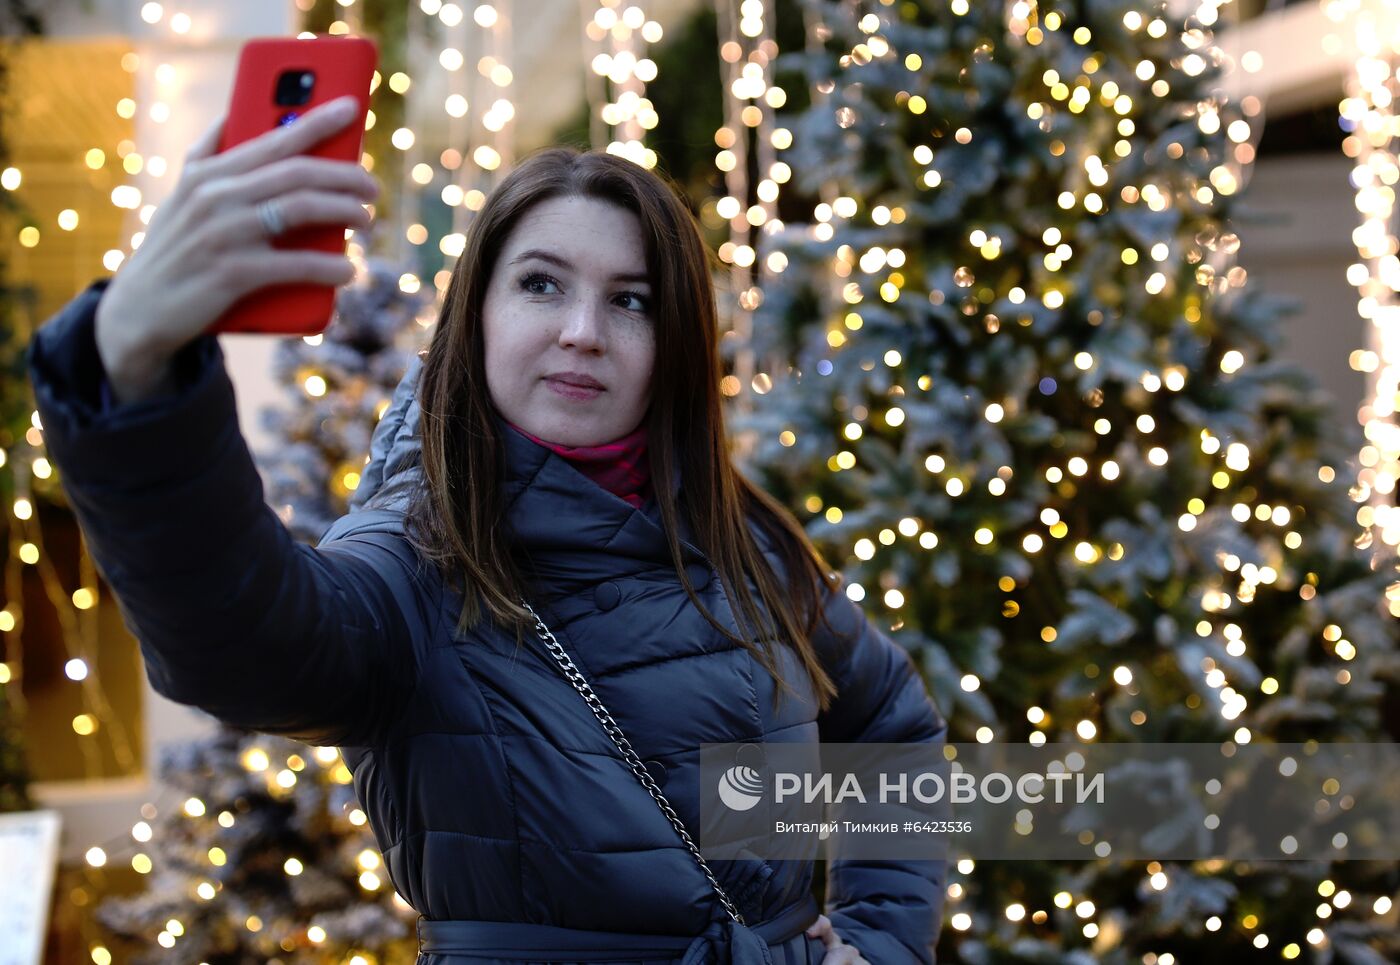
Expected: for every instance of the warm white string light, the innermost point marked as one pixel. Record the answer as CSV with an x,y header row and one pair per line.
x,y
479,124
1368,113
408,139
748,141
490,142
620,37
1245,131
496,149
595,83
457,106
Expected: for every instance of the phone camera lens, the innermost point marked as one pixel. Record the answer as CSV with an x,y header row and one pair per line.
x,y
294,87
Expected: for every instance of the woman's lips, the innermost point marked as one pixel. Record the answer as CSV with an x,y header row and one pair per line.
x,y
572,391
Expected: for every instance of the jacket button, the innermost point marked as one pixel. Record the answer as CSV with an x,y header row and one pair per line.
x,y
606,596
658,772
751,755
698,574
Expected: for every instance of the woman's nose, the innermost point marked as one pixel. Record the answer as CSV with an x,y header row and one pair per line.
x,y
583,326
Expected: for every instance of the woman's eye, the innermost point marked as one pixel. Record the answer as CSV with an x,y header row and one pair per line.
x,y
641,303
529,283
537,284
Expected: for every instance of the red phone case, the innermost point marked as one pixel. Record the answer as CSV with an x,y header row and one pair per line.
x,y
342,65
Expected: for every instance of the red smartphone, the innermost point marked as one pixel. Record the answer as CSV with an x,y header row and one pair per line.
x,y
278,80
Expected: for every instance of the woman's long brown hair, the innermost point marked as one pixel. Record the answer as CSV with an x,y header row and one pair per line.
x,y
457,517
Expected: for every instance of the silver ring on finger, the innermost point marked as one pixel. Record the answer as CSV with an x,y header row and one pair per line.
x,y
270,216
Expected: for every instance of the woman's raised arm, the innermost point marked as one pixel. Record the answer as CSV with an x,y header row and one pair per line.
x,y
232,614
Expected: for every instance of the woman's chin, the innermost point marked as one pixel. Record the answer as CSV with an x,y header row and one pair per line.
x,y
563,431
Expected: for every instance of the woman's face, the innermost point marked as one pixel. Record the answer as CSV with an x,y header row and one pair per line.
x,y
568,301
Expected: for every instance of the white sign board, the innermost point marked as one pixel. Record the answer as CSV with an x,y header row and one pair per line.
x,y
28,857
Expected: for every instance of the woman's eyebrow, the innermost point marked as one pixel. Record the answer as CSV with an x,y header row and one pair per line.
x,y
542,255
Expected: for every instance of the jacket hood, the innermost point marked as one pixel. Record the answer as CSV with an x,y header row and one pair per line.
x,y
395,465
395,456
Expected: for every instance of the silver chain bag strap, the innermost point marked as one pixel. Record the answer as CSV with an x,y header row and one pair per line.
x,y
572,674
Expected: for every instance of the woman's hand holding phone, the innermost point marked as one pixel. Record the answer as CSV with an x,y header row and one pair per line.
x,y
206,246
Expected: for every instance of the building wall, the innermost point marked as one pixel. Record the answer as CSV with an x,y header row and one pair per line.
x,y
1303,251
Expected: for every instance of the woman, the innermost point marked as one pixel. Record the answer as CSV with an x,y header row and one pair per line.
x,y
562,444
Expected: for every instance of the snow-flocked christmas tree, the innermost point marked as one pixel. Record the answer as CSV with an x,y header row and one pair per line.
x,y
1026,400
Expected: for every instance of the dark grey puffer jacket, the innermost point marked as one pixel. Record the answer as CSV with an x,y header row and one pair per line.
x,y
496,797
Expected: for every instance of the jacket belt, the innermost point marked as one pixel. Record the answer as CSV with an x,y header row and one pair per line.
x,y
724,942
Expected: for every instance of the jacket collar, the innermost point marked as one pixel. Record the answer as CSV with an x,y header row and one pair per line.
x,y
549,504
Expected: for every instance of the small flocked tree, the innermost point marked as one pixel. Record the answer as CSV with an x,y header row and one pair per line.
x,y
338,383
263,855
1032,408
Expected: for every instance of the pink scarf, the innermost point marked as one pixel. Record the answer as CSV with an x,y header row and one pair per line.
x,y
621,466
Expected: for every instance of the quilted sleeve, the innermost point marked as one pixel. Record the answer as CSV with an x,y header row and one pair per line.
x,y
232,614
891,910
